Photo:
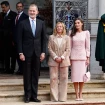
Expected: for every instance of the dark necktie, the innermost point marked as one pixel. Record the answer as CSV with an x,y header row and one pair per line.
x,y
17,18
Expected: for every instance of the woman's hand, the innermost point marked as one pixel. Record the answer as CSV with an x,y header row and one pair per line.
x,y
87,61
58,59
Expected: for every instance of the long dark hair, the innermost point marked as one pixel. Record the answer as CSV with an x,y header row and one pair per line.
x,y
74,30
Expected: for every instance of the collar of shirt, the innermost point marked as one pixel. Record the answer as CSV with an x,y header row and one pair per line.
x,y
8,12
20,14
30,19
59,36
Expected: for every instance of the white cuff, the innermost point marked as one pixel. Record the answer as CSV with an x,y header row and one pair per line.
x,y
55,57
63,57
20,53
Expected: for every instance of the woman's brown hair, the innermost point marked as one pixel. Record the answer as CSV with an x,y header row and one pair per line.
x,y
74,30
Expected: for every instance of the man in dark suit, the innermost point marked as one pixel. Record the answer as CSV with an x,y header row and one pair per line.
x,y
1,46
31,41
20,17
7,32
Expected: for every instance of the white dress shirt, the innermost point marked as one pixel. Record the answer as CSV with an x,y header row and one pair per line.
x,y
8,12
19,14
59,39
30,19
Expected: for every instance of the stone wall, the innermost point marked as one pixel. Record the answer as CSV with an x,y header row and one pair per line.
x,y
12,4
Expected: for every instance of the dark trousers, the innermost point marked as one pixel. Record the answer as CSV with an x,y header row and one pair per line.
x,y
9,56
7,52
31,67
13,58
19,64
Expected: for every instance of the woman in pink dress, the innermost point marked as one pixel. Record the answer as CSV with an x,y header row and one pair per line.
x,y
79,56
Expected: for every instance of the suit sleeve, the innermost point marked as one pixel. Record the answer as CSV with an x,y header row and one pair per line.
x,y
51,52
67,50
19,37
43,38
88,44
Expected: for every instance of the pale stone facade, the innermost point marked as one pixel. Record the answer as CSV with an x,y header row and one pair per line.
x,y
95,10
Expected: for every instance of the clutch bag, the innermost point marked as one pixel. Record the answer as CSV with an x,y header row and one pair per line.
x,y
87,76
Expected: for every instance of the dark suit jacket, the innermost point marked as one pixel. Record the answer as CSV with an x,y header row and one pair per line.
x,y
7,30
7,24
21,18
27,43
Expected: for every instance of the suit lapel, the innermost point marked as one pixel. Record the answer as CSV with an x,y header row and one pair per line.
x,y
63,41
29,26
36,27
56,41
7,15
20,17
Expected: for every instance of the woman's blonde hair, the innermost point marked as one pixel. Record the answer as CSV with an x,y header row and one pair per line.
x,y
64,29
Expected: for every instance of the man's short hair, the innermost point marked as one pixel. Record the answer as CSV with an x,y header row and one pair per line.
x,y
19,3
33,4
6,3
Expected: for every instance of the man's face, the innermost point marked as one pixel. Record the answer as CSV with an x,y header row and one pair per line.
x,y
5,8
32,12
19,7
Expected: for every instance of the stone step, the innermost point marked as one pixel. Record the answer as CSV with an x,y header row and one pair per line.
x,y
89,101
11,84
44,95
91,84
44,84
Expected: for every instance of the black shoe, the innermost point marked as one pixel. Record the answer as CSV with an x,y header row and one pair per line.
x,y
35,100
27,100
18,73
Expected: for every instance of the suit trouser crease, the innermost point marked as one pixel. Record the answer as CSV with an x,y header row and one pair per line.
x,y
58,89
31,74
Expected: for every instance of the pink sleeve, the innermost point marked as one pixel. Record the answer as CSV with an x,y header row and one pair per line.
x,y
87,43
70,40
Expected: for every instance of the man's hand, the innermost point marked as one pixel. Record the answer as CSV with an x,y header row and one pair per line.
x,y
42,56
22,57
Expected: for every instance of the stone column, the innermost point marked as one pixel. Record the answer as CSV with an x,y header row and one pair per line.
x,y
93,9
101,7
93,19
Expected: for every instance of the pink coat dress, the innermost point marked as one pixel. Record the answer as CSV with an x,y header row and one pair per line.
x,y
80,50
